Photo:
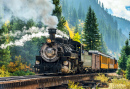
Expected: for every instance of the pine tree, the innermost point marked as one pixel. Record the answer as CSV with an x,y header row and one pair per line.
x,y
103,46
76,29
74,17
30,23
122,61
127,47
4,53
91,32
102,6
125,52
128,68
65,8
57,12
83,15
80,11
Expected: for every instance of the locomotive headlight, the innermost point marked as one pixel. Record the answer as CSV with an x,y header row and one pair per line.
x,y
65,63
48,40
37,62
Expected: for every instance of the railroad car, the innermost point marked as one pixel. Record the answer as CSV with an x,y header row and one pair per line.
x,y
102,62
115,65
61,55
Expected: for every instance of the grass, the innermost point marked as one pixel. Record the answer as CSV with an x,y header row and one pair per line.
x,y
121,83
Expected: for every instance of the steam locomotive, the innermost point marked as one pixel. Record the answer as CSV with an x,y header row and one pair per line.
x,y
65,56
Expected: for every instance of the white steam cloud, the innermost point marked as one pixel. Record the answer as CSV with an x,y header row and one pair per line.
x,y
38,10
35,32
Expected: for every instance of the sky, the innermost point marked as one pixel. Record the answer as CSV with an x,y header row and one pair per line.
x,y
118,7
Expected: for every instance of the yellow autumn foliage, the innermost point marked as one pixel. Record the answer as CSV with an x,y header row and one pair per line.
x,y
77,37
71,31
102,77
4,72
6,23
18,65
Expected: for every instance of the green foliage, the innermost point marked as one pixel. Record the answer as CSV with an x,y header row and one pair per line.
x,y
103,46
76,29
128,68
74,17
125,52
22,73
5,39
122,61
127,47
80,11
26,51
118,71
17,24
30,23
57,12
91,32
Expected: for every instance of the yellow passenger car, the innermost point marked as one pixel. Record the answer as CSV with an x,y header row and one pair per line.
x,y
104,62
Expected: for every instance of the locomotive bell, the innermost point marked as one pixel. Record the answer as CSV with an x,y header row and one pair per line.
x,y
52,32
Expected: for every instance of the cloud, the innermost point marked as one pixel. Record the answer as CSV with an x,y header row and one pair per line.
x,y
118,7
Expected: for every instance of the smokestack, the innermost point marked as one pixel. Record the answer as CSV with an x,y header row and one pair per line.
x,y
52,32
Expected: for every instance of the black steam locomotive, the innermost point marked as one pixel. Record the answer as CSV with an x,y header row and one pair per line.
x,y
61,55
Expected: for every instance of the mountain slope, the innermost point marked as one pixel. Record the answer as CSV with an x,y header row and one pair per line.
x,y
108,26
123,25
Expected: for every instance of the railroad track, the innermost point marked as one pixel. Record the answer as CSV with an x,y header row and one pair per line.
x,y
39,81
19,78
13,78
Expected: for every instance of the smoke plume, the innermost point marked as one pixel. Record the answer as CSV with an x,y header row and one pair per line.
x,y
38,10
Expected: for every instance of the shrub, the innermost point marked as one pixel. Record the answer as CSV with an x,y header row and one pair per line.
x,y
121,72
17,65
22,73
118,71
72,85
120,84
4,72
128,68
102,77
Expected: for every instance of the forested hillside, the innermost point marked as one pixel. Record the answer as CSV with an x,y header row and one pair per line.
x,y
123,25
75,12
